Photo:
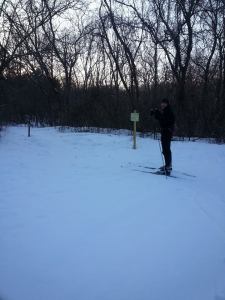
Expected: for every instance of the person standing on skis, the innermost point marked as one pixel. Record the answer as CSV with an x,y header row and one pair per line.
x,y
166,119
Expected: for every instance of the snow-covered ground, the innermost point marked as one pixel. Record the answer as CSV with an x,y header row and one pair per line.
x,y
77,222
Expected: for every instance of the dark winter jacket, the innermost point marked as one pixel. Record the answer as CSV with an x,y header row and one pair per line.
x,y
166,119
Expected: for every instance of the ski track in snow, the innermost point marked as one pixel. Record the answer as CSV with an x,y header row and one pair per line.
x,y
77,222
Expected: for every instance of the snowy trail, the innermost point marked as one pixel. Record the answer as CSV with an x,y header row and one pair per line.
x,y
74,224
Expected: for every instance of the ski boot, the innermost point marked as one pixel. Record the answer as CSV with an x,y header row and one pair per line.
x,y
165,170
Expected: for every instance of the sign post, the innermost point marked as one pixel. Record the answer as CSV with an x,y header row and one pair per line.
x,y
134,117
29,128
28,118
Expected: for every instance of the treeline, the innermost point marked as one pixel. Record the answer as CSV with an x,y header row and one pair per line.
x,y
72,63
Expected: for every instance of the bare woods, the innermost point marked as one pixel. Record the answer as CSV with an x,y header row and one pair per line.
x,y
74,63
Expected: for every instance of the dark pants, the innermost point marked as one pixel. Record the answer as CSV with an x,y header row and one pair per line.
x,y
166,137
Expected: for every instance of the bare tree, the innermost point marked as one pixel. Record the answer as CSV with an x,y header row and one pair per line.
x,y
170,24
206,40
122,30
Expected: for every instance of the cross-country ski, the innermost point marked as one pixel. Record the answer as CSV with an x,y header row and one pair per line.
x,y
157,169
156,173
